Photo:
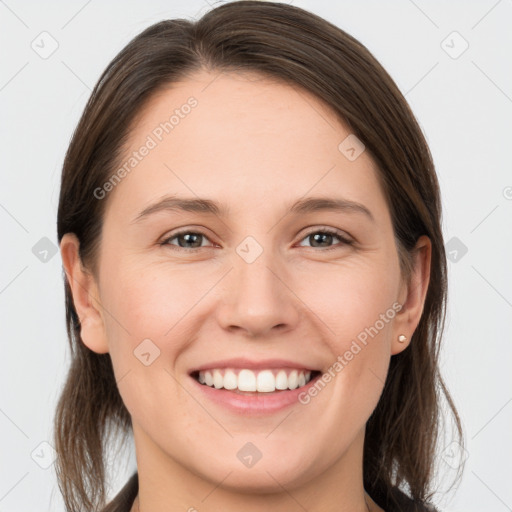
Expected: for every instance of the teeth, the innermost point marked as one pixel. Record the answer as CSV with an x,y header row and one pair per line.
x,y
281,380
218,379
293,381
230,380
246,381
264,381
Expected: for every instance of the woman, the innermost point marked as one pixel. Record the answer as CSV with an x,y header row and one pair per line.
x,y
249,223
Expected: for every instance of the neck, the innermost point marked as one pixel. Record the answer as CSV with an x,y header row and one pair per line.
x,y
168,484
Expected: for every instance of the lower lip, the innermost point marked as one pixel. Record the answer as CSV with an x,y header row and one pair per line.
x,y
254,403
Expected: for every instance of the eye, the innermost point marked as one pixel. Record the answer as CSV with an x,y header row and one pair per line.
x,y
186,240
322,238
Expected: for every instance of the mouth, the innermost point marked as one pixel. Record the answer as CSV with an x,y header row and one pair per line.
x,y
246,381
247,387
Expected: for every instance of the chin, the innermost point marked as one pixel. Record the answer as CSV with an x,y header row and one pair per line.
x,y
261,480
269,474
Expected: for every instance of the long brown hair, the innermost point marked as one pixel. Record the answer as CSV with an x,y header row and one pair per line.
x,y
306,51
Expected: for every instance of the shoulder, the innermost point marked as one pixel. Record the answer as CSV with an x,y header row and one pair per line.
x,y
398,501
123,502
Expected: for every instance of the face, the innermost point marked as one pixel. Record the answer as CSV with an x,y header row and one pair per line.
x,y
266,284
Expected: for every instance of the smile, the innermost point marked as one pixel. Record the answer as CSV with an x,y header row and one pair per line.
x,y
248,387
262,381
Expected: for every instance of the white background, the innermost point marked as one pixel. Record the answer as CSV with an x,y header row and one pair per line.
x,y
464,106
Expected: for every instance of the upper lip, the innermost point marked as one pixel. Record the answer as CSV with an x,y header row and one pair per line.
x,y
243,363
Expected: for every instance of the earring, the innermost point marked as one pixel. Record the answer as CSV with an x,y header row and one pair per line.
x,y
402,338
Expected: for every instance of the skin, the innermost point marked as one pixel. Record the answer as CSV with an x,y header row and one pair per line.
x,y
256,146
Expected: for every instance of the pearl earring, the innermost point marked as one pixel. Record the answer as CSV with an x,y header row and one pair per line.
x,y
402,338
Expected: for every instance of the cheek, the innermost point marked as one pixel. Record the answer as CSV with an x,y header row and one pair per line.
x,y
357,305
151,302
147,330
352,297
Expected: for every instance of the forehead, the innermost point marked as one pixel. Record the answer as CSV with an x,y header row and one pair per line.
x,y
239,105
240,137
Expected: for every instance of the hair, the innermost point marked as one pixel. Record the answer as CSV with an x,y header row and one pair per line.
x,y
286,43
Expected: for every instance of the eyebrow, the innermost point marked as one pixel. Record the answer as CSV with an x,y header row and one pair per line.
x,y
208,206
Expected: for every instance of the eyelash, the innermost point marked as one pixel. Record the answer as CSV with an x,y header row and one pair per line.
x,y
330,231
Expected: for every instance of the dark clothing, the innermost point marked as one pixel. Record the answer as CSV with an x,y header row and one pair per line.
x,y
124,500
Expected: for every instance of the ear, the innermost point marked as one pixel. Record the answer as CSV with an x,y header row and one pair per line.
x,y
412,295
85,295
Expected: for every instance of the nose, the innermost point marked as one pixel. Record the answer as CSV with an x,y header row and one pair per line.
x,y
258,298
